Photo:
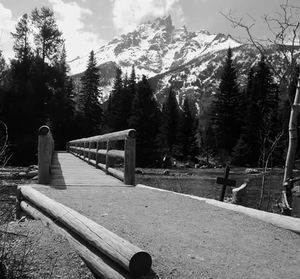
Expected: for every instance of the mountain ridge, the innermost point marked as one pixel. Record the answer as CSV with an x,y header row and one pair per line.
x,y
189,61
155,47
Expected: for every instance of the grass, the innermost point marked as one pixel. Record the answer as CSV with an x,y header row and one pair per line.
x,y
202,182
15,247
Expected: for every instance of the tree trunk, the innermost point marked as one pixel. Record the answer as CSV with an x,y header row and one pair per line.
x,y
290,157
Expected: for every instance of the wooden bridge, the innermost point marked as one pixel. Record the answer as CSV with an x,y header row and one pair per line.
x,y
87,194
61,168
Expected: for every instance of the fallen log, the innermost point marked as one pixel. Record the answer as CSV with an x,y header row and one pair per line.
x,y
95,262
130,257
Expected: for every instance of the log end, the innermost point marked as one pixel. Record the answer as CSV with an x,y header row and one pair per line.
x,y
132,134
44,130
140,264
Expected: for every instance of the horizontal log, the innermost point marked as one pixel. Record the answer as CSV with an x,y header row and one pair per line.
x,y
99,151
121,135
130,257
76,148
116,153
99,165
94,261
116,173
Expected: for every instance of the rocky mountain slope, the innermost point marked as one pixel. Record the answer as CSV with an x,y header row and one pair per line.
x,y
189,61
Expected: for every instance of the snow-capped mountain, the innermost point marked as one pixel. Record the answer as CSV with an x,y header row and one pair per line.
x,y
190,61
156,47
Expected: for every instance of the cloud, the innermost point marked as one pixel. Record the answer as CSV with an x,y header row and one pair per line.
x,y
7,25
128,14
70,20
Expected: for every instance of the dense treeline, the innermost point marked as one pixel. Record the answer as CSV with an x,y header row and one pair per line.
x,y
35,88
242,126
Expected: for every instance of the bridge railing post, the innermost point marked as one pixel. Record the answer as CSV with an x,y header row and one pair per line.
x,y
129,161
107,159
45,152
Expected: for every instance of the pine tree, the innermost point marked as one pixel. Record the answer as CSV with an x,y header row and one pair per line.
x,y
114,113
3,68
131,92
226,114
205,135
62,112
260,125
145,119
120,101
170,124
188,130
21,46
89,98
48,38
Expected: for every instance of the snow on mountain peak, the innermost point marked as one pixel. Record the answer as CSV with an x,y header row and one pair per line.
x,y
155,47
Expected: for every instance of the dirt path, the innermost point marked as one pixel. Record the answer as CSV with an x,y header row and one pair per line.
x,y
188,238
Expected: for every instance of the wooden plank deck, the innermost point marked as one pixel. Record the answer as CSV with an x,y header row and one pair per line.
x,y
68,170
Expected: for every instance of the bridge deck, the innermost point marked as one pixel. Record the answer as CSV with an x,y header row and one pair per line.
x,y
187,238
68,170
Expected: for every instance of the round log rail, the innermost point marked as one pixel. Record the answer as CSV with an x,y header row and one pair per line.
x,y
130,257
100,267
89,150
121,135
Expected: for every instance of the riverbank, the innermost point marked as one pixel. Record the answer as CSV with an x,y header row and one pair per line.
x,y
202,183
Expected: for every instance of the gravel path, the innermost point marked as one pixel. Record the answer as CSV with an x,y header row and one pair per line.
x,y
188,238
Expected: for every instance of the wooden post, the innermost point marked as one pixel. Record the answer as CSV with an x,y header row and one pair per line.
x,y
97,155
107,161
18,202
89,154
45,151
129,161
225,182
82,150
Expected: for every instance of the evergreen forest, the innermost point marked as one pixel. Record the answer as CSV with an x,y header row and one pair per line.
x,y
244,125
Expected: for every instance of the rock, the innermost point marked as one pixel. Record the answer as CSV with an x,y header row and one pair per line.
x,y
23,219
22,173
240,195
32,173
252,171
139,171
296,191
33,167
166,172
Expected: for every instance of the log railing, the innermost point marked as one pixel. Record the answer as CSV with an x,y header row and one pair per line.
x,y
45,153
107,152
107,254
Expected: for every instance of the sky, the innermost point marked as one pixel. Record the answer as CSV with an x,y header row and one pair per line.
x,y
88,24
